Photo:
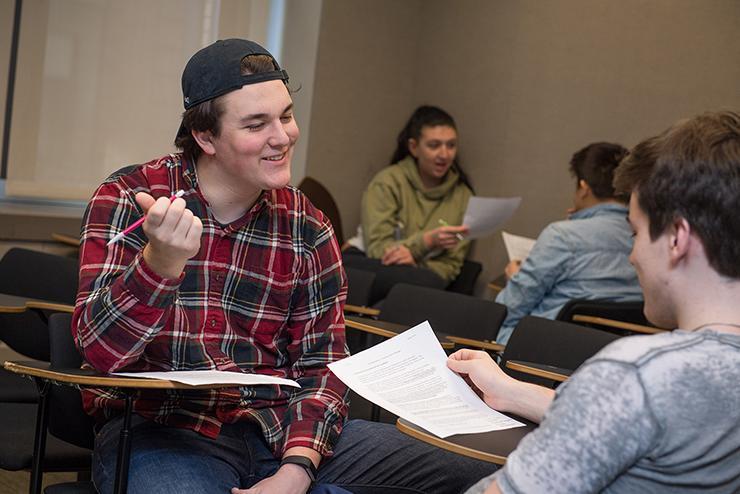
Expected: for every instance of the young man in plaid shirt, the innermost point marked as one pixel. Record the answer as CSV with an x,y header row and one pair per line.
x,y
240,274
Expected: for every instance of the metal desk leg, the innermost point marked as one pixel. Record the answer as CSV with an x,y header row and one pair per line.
x,y
124,449
39,440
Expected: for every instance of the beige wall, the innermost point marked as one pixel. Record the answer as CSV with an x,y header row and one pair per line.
x,y
363,92
528,81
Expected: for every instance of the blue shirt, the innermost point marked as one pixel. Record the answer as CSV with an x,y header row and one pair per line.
x,y
586,256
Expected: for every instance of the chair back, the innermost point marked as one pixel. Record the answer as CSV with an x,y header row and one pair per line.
x,y
465,281
631,311
67,419
448,312
33,274
557,343
322,199
359,285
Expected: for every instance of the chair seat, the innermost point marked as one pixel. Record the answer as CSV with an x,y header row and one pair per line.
x,y
19,426
17,389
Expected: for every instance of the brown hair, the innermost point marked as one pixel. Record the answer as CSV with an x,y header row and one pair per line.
x,y
206,116
692,171
595,164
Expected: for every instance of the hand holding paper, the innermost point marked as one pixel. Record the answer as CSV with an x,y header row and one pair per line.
x,y
408,376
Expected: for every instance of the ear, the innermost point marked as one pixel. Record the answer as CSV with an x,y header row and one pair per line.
x,y
413,147
680,240
204,138
583,188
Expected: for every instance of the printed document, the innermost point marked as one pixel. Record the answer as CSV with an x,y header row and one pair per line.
x,y
205,377
485,215
517,247
408,376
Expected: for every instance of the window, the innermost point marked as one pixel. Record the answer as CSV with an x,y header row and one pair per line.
x,y
98,84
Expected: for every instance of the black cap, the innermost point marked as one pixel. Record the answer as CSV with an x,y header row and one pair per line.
x,y
216,70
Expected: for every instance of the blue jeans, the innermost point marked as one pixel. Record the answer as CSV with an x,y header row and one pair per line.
x,y
369,458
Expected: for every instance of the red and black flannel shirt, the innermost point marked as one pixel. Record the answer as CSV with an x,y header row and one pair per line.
x,y
264,294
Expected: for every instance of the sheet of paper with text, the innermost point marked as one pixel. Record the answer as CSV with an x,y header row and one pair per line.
x,y
408,376
206,377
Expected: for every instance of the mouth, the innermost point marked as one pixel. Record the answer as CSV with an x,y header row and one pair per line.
x,y
276,158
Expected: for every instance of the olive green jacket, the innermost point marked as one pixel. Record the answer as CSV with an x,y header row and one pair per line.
x,y
396,207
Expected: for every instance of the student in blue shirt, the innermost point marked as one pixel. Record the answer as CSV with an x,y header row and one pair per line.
x,y
585,256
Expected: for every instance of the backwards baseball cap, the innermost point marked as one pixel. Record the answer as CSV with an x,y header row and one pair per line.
x,y
216,70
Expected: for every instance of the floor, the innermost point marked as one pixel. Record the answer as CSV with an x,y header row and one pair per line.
x,y
17,482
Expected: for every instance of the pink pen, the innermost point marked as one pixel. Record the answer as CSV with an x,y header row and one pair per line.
x,y
136,224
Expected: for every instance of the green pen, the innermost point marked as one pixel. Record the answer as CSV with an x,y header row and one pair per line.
x,y
457,235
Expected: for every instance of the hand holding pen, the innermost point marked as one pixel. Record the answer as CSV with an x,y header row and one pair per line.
x,y
445,236
173,231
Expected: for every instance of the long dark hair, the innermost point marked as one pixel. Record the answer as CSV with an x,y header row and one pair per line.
x,y
425,116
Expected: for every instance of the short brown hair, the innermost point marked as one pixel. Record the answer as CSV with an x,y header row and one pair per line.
x,y
206,116
595,164
692,171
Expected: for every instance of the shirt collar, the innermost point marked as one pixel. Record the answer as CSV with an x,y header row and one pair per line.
x,y
600,209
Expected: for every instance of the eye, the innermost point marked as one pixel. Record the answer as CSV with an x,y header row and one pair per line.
x,y
286,118
255,126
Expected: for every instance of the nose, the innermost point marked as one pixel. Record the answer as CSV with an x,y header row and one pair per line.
x,y
444,153
279,137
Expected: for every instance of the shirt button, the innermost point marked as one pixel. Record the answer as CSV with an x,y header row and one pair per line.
x,y
218,277
213,323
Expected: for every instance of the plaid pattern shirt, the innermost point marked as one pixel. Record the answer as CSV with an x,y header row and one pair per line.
x,y
265,294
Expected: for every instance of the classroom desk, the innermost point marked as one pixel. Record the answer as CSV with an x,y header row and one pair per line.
x,y
493,447
389,329
10,304
361,309
611,323
45,376
497,284
66,239
551,372
490,346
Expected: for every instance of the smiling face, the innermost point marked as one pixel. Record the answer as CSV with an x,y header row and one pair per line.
x,y
258,134
435,152
652,264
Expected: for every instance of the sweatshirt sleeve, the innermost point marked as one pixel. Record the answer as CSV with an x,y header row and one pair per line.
x,y
380,208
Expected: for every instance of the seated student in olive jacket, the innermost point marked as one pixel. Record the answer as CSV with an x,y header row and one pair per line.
x,y
409,208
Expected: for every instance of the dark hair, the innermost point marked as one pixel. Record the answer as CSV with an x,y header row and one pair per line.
x,y
692,171
425,116
595,164
206,116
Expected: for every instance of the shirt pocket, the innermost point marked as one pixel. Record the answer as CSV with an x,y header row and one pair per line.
x,y
261,300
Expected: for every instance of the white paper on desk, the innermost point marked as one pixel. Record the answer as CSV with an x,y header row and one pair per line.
x,y
485,215
408,376
204,377
517,247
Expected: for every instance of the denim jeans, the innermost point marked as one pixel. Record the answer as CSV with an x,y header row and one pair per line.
x,y
369,458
